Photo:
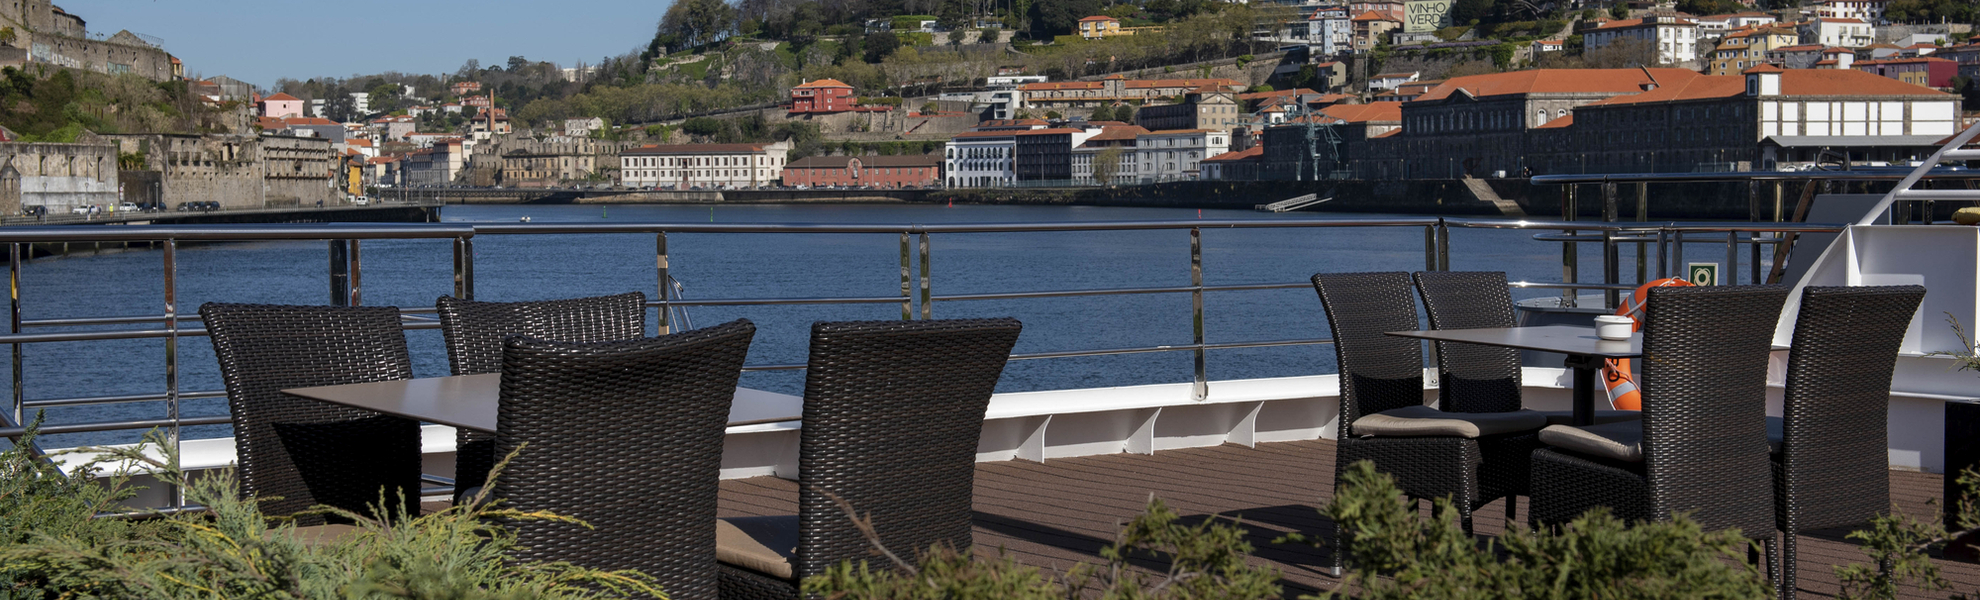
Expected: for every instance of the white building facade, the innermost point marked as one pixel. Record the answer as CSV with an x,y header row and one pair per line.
x,y
708,166
1675,39
1838,31
1868,11
1173,155
977,159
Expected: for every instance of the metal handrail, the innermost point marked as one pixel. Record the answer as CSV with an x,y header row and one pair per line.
x,y
1436,257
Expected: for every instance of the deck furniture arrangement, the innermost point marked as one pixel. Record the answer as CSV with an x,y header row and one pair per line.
x,y
474,332
1472,457
309,452
1474,377
1830,468
1701,447
892,414
473,401
627,436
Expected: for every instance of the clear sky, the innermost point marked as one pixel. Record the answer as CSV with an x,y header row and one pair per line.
x,y
258,42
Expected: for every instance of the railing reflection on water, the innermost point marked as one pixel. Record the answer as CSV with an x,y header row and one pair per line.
x,y
916,299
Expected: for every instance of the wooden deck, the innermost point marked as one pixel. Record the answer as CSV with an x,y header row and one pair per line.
x,y
1064,510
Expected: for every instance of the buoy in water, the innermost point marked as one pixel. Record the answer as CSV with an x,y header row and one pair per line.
x,y
525,219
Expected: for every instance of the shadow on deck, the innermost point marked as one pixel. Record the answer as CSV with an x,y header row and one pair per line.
x,y
1053,514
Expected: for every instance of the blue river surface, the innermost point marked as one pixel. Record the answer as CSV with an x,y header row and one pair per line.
x,y
410,273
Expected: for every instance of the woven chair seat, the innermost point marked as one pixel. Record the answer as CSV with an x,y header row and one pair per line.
x,y
1419,421
761,544
1566,417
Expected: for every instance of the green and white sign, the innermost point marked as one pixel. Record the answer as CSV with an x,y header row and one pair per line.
x,y
1427,15
1703,273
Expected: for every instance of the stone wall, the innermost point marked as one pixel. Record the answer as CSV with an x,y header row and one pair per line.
x,y
52,36
235,170
299,171
61,176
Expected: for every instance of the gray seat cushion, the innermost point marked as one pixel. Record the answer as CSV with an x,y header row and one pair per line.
x,y
761,544
1421,421
1621,441
1566,417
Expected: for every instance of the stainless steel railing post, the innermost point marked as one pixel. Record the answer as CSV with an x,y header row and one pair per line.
x,y
1731,276
1677,255
340,273
907,289
661,266
927,302
464,268
1663,253
171,285
14,325
357,276
1611,268
1200,383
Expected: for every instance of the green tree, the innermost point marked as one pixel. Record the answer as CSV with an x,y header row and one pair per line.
x,y
878,46
693,23
1619,11
1059,17
1106,165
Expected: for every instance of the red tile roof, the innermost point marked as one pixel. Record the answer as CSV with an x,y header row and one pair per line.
x,y
1612,81
1374,16
825,83
1558,123
281,97
1098,18
1363,113
1254,152
1123,132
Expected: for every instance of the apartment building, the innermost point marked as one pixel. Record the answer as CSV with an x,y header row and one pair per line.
x,y
872,171
1114,88
1674,38
1748,47
1112,143
1208,107
1174,155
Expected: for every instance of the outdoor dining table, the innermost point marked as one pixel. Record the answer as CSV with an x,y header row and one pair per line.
x,y
1585,352
471,401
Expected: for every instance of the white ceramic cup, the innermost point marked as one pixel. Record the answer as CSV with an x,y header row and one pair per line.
x,y
1614,327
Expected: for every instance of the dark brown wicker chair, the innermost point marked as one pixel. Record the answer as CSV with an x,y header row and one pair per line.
x,y
892,413
1701,446
627,436
1832,468
305,451
474,332
1382,375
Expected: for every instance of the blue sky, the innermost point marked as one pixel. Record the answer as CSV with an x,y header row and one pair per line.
x,y
259,42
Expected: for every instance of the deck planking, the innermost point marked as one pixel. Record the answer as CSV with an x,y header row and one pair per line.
x,y
1062,511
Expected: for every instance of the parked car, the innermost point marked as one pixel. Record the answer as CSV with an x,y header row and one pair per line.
x,y
128,207
210,206
34,211
81,209
361,200
186,206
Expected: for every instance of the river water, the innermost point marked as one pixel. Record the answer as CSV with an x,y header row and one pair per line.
x,y
530,267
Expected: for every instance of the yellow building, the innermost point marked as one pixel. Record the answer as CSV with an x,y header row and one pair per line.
x,y
1099,26
1743,48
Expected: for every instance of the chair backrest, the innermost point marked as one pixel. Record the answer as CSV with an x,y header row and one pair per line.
x,y
474,331
1704,388
627,436
1472,377
1837,402
1378,372
305,451
892,413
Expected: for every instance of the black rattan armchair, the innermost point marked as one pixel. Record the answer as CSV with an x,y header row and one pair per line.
x,y
892,414
474,332
1475,377
627,436
305,451
1382,384
1832,467
1701,447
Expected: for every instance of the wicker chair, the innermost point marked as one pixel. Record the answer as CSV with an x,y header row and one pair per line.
x,y
1701,446
892,413
304,451
1382,383
627,436
1831,469
1475,377
474,332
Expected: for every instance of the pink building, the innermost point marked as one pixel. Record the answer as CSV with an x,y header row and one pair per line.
x,y
281,105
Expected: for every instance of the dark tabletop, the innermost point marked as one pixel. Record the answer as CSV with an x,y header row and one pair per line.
x,y
470,401
1564,339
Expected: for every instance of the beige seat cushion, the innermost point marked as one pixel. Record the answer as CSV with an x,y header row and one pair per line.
x,y
761,544
320,535
1418,421
1566,417
1621,441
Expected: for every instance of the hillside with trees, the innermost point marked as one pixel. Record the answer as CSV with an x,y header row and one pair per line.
x,y
57,105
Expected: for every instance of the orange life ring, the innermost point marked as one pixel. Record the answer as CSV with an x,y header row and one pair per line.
x,y
1615,374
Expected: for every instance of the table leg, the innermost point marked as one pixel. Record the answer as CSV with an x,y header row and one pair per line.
x,y
1962,452
1585,369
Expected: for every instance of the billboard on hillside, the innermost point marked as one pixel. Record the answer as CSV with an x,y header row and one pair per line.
x,y
1426,15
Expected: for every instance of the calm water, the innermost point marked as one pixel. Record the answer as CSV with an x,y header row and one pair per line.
x,y
413,273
